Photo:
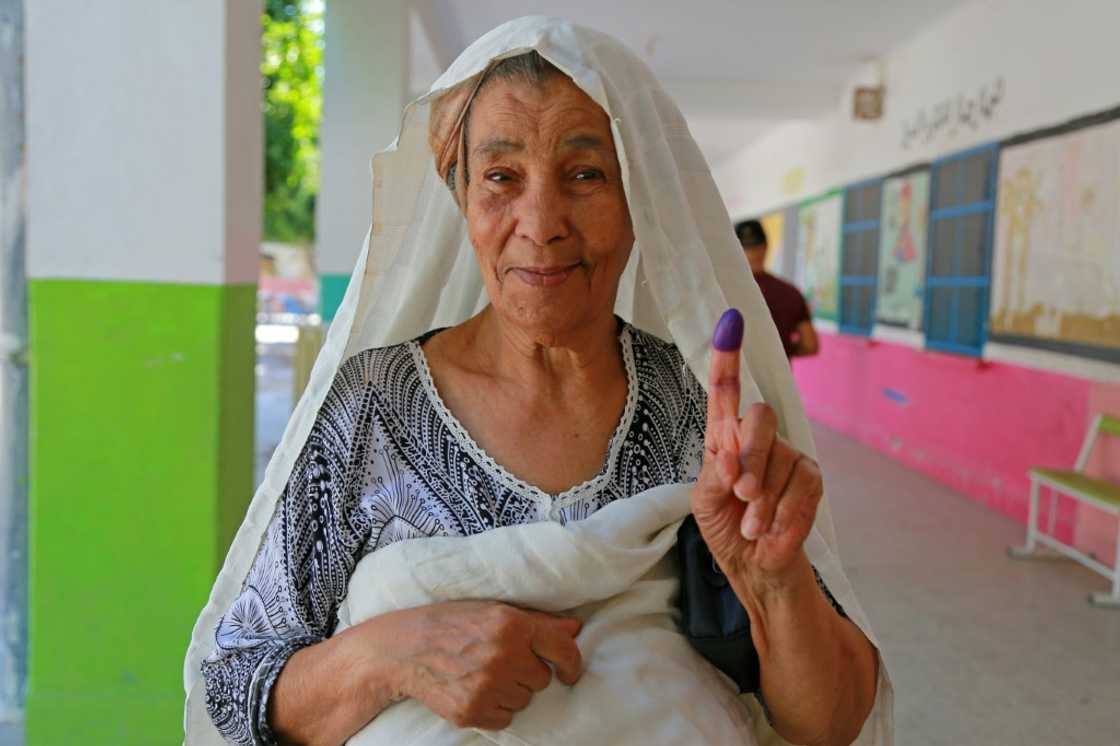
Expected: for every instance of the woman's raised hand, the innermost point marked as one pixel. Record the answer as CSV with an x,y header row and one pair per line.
x,y
476,663
757,496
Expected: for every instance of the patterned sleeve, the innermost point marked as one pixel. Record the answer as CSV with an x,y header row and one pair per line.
x,y
290,598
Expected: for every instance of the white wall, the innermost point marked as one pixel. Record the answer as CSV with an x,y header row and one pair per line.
x,y
1057,60
144,140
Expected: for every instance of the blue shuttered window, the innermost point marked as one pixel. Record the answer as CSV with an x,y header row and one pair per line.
x,y
959,255
859,257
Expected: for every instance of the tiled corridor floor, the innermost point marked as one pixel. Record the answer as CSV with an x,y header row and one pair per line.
x,y
983,650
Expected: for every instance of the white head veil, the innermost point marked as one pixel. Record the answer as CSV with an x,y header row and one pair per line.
x,y
417,271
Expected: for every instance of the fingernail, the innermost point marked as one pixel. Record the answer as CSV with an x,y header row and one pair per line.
x,y
752,529
729,331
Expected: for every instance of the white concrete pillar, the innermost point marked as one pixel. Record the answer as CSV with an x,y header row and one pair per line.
x,y
144,179
364,92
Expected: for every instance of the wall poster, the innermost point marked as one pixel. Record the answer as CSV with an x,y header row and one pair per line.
x,y
903,226
1056,264
774,226
819,224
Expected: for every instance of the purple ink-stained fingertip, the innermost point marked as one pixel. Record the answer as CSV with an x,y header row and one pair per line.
x,y
729,331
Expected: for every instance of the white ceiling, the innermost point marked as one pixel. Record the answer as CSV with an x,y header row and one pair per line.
x,y
736,69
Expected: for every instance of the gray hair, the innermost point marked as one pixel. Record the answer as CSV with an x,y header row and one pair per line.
x,y
529,68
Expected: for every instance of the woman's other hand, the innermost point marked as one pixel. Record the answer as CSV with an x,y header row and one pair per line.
x,y
756,498
473,663
477,663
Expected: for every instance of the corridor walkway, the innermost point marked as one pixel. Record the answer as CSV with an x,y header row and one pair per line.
x,y
983,650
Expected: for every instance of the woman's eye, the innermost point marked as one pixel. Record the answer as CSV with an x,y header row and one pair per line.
x,y
498,176
588,174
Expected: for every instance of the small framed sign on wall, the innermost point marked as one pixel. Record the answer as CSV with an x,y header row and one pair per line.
x,y
867,102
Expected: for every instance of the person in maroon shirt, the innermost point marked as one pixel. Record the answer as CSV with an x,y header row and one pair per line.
x,y
787,305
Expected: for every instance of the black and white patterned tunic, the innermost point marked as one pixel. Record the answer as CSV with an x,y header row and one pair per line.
x,y
387,461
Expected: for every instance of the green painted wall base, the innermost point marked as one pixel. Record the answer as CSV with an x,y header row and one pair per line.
x,y
116,717
141,450
331,290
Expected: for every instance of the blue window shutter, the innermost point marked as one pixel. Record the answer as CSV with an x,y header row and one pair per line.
x,y
859,257
959,256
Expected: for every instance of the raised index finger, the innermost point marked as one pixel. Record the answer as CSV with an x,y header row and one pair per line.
x,y
723,376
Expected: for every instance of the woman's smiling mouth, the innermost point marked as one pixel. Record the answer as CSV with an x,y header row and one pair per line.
x,y
545,276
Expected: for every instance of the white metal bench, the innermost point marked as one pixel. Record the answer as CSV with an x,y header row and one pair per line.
x,y
1100,493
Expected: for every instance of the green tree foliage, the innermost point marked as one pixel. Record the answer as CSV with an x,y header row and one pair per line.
x,y
292,66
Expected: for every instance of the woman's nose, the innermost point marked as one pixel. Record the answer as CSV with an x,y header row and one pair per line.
x,y
543,214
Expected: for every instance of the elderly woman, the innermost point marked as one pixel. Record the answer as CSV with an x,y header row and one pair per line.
x,y
542,407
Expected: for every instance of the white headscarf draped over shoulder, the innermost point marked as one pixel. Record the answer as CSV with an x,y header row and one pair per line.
x,y
417,270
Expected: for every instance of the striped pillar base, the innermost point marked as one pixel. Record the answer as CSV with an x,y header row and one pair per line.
x,y
331,290
141,450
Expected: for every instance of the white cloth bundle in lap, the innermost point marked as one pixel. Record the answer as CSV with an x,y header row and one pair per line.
x,y
417,271
642,683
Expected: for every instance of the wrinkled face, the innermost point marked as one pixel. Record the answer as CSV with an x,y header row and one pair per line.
x,y
545,206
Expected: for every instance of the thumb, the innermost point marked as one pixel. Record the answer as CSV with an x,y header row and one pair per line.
x,y
570,625
554,642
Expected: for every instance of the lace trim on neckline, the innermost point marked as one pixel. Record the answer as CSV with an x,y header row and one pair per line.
x,y
551,502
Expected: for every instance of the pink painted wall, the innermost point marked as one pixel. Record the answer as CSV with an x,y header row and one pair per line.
x,y
976,426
